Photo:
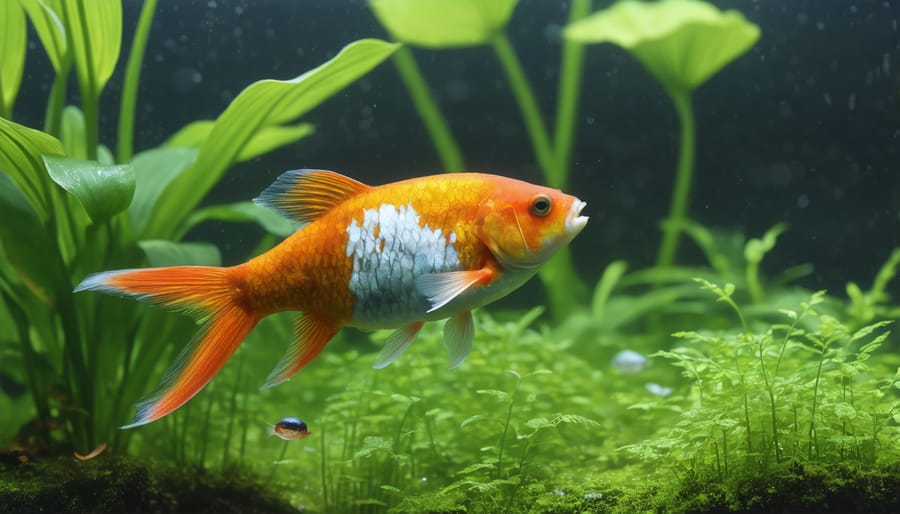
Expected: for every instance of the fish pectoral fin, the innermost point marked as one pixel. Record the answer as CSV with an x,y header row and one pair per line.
x,y
312,333
458,333
304,195
397,343
441,288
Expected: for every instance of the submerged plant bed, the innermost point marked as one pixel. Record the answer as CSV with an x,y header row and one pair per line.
x,y
794,488
123,485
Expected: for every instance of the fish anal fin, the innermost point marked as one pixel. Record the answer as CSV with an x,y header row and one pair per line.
x,y
312,333
397,343
458,334
304,195
441,288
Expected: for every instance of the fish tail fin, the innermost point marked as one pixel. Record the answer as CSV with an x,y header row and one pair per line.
x,y
207,293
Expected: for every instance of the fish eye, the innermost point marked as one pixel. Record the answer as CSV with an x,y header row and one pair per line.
x,y
541,205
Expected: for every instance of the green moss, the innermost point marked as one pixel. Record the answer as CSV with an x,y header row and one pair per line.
x,y
116,484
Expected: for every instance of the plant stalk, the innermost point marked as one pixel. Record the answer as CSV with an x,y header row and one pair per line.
x,y
132,80
524,95
443,140
683,178
567,102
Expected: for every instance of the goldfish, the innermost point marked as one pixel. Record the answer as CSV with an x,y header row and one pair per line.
x,y
393,256
290,429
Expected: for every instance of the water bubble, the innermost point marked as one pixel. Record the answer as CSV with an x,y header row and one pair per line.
x,y
851,102
185,79
803,201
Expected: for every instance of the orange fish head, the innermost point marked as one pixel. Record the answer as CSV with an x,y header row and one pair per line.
x,y
524,224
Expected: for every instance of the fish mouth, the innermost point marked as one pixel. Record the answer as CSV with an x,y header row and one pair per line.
x,y
575,222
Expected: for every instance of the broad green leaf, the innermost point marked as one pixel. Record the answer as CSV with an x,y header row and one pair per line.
x,y
25,240
681,42
72,134
153,171
96,37
242,212
266,140
444,23
44,15
104,191
21,149
170,253
264,103
12,53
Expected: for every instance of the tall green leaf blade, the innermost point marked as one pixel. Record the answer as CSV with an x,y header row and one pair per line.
x,y
96,36
104,191
44,16
443,23
72,133
266,140
243,212
25,241
12,53
21,149
153,171
169,253
263,103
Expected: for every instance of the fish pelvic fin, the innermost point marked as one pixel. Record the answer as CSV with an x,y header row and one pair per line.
x,y
312,333
207,293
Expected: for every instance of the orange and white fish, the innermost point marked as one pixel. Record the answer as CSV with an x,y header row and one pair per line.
x,y
390,256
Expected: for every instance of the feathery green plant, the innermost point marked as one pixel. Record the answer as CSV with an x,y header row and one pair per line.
x,y
86,357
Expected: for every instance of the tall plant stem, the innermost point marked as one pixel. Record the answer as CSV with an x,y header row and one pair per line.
x,y
90,92
683,178
567,101
56,102
132,79
444,142
564,288
524,95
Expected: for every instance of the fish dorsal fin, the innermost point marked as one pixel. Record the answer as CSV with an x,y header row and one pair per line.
x,y
304,195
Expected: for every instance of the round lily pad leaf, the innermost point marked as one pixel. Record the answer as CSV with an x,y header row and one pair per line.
x,y
443,23
681,42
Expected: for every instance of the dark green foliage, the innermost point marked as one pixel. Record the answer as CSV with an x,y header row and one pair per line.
x,y
112,484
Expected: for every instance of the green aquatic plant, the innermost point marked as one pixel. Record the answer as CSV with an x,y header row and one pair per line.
x,y
682,43
447,25
85,360
802,390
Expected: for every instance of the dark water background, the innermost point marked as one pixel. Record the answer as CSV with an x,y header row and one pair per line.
x,y
804,128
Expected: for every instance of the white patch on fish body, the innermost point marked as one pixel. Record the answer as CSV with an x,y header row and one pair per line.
x,y
385,268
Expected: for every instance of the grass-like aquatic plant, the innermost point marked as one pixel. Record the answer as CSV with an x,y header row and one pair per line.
x,y
682,43
85,359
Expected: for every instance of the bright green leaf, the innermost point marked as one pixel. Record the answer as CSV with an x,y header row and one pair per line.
x,y
153,171
264,103
44,15
443,23
266,140
72,134
12,53
170,253
20,156
243,212
96,36
681,42
104,191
